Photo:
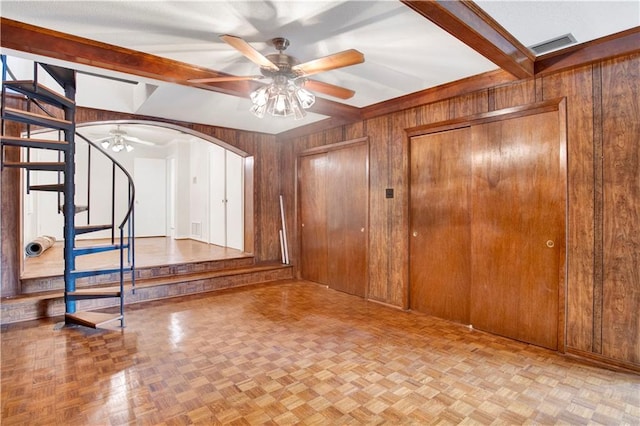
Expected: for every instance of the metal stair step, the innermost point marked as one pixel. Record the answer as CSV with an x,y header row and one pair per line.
x,y
78,209
32,165
36,119
38,91
94,293
85,229
80,251
91,319
35,143
54,187
94,272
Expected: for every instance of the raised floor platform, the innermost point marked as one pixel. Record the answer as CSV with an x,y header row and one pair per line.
x,y
164,268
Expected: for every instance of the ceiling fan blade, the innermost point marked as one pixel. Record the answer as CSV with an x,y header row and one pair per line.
x,y
138,140
225,78
248,51
331,62
329,89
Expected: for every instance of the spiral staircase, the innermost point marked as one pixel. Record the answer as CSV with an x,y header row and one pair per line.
x,y
45,108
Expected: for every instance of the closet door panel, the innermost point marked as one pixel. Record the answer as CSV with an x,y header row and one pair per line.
x,y
313,214
347,201
518,228
440,241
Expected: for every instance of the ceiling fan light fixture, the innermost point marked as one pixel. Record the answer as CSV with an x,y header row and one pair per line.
x,y
117,143
281,98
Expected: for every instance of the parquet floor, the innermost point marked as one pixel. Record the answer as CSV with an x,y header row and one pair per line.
x,y
295,353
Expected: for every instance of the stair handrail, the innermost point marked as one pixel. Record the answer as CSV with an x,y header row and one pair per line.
x,y
128,217
132,188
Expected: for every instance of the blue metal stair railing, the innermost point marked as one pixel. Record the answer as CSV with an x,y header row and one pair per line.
x,y
33,92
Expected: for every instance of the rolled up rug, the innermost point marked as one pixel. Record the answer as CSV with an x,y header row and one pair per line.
x,y
39,245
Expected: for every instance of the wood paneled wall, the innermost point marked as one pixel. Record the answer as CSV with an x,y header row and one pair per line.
x,y
10,236
603,266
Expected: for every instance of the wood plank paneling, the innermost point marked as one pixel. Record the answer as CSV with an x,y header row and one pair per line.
x,y
576,86
10,237
398,208
378,130
520,93
432,113
621,221
354,131
472,103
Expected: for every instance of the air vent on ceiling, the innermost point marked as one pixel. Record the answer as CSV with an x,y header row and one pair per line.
x,y
553,44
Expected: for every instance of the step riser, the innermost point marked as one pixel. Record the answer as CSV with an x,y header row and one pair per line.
x,y
38,144
36,285
36,120
47,188
36,166
40,93
16,312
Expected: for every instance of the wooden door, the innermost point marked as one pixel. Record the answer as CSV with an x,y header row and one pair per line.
x,y
313,223
347,207
217,196
440,245
518,227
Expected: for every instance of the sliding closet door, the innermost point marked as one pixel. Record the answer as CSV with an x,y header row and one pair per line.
x,y
347,189
487,241
518,227
440,242
313,223
333,186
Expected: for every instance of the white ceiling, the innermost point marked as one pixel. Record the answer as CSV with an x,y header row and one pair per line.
x,y
404,52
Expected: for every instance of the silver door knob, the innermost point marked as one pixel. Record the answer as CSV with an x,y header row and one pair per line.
x,y
550,243
415,233
361,229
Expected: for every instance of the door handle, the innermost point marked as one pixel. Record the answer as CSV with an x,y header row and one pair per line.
x,y
550,243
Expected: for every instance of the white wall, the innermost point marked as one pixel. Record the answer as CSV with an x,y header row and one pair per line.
x,y
191,207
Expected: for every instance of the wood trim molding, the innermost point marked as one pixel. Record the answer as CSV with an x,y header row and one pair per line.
x,y
333,146
445,91
471,25
619,44
486,117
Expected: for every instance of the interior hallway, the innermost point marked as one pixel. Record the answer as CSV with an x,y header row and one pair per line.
x,y
295,352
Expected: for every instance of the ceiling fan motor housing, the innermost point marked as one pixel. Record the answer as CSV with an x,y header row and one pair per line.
x,y
284,62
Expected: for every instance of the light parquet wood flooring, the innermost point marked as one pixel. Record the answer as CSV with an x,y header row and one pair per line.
x,y
295,353
151,251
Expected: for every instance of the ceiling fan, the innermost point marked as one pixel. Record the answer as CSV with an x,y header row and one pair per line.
x,y
119,140
289,77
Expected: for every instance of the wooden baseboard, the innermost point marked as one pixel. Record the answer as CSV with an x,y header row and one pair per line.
x,y
602,361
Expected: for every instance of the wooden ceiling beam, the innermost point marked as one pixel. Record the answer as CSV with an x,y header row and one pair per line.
x,y
471,25
48,43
